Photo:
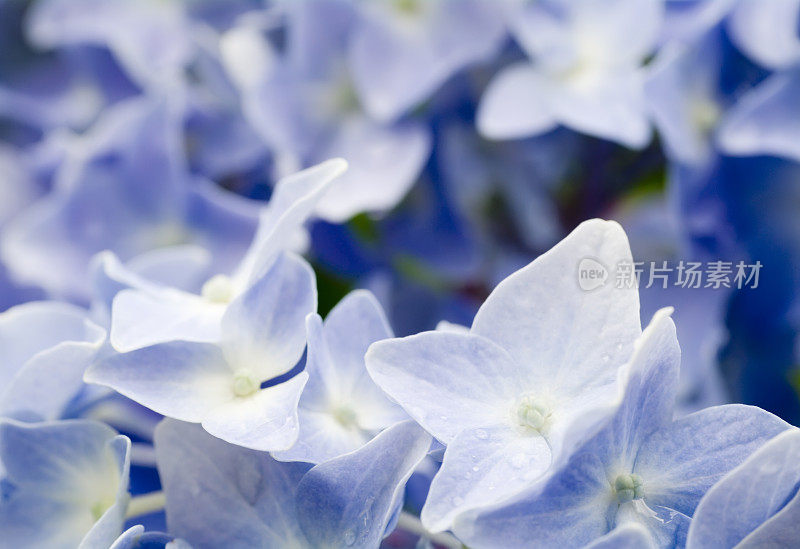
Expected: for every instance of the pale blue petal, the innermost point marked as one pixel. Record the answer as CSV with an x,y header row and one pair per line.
x,y
766,120
221,495
321,437
349,501
140,318
180,379
349,329
293,202
394,67
612,108
263,329
46,346
338,380
570,340
568,511
447,381
266,420
481,467
767,31
59,473
754,503
628,536
681,461
517,103
384,162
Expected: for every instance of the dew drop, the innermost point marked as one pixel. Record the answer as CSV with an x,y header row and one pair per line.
x,y
481,434
349,537
476,468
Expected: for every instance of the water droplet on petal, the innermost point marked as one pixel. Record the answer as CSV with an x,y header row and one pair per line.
x,y
476,468
481,434
349,537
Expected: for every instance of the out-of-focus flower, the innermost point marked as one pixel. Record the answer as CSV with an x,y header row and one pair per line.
x,y
219,385
303,103
766,121
539,361
219,494
122,187
641,467
66,484
767,31
584,71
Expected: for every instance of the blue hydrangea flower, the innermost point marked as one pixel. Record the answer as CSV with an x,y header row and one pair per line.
x,y
684,98
220,385
130,164
584,71
641,467
767,32
765,120
755,505
541,359
46,347
686,20
151,40
341,408
303,103
223,495
66,484
401,52
147,313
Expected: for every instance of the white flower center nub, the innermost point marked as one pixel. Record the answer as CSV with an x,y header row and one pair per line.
x,y
628,487
531,413
244,383
218,289
345,416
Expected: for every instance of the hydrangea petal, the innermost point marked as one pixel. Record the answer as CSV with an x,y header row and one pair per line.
x,y
745,507
221,495
142,318
682,461
517,103
384,162
266,420
349,501
765,121
570,339
447,381
481,467
263,330
179,379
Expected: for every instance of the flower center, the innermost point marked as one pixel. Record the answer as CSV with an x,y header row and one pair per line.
x,y
705,114
218,289
531,413
244,383
345,416
628,488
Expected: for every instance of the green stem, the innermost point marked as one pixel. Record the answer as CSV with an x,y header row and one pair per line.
x,y
412,524
145,504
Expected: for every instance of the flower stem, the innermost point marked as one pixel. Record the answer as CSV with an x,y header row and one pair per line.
x,y
412,524
145,504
